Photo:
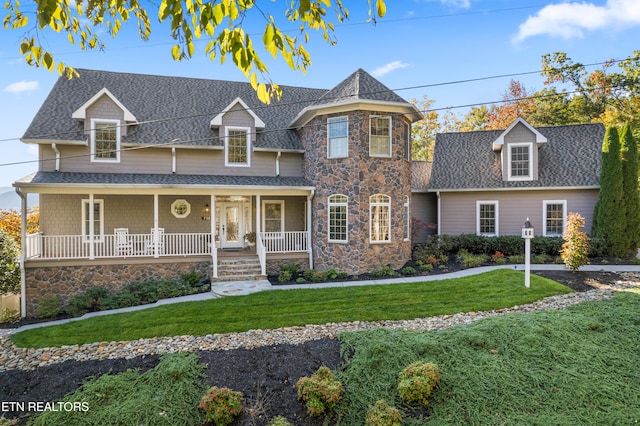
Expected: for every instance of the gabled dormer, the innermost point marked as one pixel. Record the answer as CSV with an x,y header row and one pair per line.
x,y
105,121
237,125
518,146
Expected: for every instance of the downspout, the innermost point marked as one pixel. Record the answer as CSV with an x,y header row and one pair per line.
x,y
438,213
55,149
312,193
278,163
173,159
23,253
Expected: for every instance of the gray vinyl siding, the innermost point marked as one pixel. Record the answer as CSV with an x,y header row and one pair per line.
x,y
294,209
458,209
159,160
104,108
424,208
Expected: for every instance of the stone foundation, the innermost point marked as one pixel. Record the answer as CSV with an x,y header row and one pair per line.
x,y
67,281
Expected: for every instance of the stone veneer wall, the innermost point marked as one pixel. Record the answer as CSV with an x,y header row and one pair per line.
x,y
358,177
68,281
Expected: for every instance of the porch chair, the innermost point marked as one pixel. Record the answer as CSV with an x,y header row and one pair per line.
x,y
123,246
150,247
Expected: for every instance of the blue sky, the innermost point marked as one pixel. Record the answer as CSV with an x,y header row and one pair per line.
x,y
416,49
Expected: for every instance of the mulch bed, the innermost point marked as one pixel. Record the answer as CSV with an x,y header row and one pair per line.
x,y
265,375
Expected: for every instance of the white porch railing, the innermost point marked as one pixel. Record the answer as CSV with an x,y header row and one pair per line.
x,y
59,247
285,242
106,246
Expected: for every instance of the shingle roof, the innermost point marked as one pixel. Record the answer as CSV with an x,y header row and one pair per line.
x,y
160,179
359,86
168,108
570,158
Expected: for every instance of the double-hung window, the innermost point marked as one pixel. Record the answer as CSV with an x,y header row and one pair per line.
x,y
554,213
380,218
379,136
338,218
236,146
487,218
338,137
98,220
105,140
520,161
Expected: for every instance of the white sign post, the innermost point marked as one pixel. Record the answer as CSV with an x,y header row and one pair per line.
x,y
527,234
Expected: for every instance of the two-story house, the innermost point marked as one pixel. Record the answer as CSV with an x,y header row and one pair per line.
x,y
144,176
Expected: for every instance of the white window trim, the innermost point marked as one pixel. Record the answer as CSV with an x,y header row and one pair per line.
x,y
520,144
226,146
264,215
388,140
544,216
337,204
329,120
98,234
371,204
497,218
407,136
407,218
94,123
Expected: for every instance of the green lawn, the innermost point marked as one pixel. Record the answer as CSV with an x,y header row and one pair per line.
x,y
273,309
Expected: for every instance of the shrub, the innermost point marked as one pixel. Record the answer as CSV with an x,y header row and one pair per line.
x,y
300,280
382,414
426,268
89,301
417,382
469,260
576,243
383,271
518,259
221,405
191,279
279,421
321,392
314,276
49,307
541,258
291,268
498,258
9,316
285,276
332,274
408,270
544,245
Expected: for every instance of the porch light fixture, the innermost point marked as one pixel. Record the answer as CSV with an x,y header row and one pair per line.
x,y
527,234
207,212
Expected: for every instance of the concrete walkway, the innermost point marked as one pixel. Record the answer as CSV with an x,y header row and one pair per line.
x,y
240,288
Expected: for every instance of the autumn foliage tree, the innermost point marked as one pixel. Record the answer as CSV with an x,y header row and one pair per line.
x,y
575,249
11,223
9,267
218,21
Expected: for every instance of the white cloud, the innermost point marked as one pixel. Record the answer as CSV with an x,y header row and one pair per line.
x,y
386,69
569,20
21,86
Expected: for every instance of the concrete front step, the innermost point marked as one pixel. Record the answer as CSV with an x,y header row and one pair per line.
x,y
239,269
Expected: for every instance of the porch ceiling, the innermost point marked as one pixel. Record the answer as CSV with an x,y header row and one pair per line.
x,y
137,183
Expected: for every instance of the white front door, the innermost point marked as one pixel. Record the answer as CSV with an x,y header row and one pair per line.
x,y
231,225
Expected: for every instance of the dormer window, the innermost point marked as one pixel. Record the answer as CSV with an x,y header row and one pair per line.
x,y
236,146
520,161
105,140
380,136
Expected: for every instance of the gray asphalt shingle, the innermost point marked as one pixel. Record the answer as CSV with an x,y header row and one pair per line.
x,y
570,158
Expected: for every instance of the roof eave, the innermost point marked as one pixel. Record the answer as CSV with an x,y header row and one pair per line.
x,y
308,113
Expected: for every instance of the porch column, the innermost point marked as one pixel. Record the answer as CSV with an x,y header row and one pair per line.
x,y
259,243
92,253
23,254
155,235
214,249
309,225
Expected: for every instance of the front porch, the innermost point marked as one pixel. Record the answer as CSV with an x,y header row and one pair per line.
x,y
158,244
